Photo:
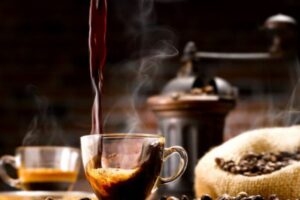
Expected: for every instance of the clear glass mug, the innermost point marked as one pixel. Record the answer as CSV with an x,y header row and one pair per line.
x,y
45,168
127,166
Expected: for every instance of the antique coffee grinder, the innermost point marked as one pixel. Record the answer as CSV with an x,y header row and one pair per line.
x,y
191,112
192,108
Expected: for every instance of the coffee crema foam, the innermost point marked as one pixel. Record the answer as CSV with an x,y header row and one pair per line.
x,y
112,174
46,175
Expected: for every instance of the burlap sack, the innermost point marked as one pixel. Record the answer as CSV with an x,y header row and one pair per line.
x,y
210,179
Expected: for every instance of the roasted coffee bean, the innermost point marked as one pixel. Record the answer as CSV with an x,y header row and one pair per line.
x,y
172,198
184,197
271,164
241,195
220,161
225,197
246,198
249,174
233,169
297,156
205,197
257,197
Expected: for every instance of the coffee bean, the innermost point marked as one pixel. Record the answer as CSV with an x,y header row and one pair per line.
x,y
233,169
230,163
205,197
220,161
271,164
257,197
249,156
246,198
172,198
242,194
297,156
223,198
184,197
285,154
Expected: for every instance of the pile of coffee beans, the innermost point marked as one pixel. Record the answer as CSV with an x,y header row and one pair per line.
x,y
254,164
240,196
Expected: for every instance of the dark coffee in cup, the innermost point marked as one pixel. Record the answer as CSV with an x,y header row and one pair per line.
x,y
127,184
127,166
46,179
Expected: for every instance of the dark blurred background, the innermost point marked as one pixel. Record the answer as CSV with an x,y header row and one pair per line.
x,y
44,58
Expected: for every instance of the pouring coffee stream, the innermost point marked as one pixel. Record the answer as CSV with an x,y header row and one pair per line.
x,y
97,48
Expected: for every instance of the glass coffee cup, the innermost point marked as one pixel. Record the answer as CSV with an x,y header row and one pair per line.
x,y
127,166
43,168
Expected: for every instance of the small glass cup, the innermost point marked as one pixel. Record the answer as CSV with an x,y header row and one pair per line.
x,y
45,168
127,166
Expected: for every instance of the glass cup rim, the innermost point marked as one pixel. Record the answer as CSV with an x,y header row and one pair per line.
x,y
21,148
124,135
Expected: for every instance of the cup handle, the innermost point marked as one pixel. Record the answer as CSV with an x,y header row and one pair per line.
x,y
8,160
182,163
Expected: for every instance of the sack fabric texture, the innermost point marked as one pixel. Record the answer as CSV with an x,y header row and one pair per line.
x,y
211,179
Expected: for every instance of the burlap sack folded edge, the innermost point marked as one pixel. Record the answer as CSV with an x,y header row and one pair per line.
x,y
210,179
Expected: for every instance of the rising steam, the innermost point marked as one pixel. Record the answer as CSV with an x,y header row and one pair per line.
x,y
146,75
283,109
44,129
156,45
292,115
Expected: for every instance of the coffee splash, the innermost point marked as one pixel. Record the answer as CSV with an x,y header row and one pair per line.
x,y
97,48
